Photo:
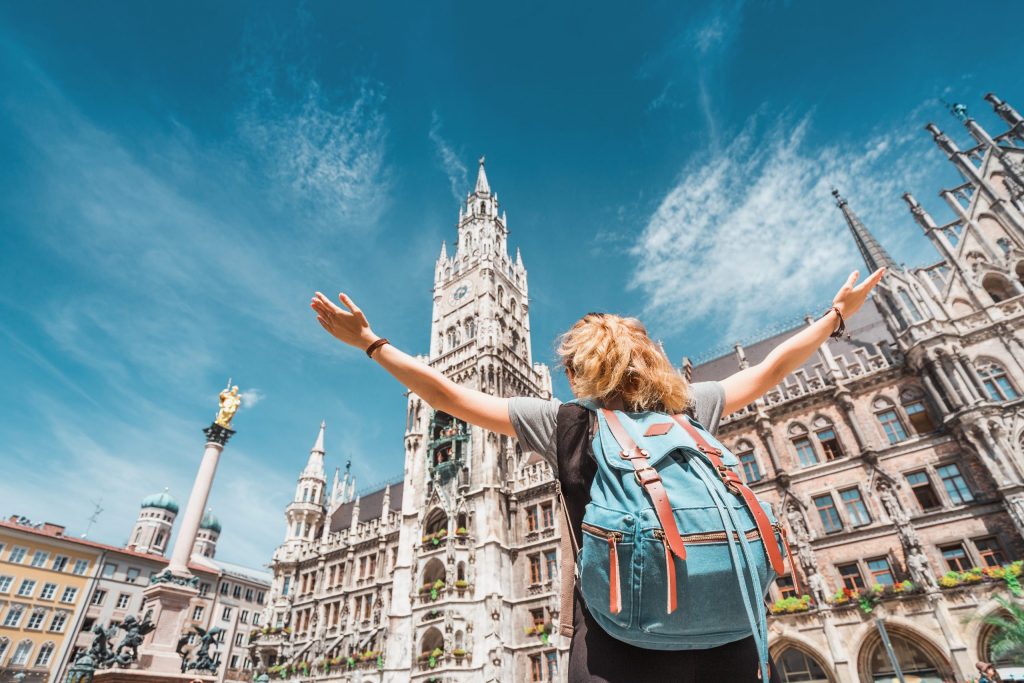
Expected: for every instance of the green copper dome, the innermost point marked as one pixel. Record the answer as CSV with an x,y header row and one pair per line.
x,y
210,522
161,500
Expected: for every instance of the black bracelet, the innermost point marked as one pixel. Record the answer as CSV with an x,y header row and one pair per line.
x,y
841,329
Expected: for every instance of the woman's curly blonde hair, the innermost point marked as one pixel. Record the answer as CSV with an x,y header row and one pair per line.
x,y
612,356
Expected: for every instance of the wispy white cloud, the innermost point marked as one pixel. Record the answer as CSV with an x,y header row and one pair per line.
x,y
449,159
251,397
749,234
329,153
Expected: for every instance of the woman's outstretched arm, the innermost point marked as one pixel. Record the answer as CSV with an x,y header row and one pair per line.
x,y
748,385
475,407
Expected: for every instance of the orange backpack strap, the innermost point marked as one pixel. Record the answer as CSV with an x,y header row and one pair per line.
x,y
736,486
650,480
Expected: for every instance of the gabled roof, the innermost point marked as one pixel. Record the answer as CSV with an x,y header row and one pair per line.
x,y
370,507
866,330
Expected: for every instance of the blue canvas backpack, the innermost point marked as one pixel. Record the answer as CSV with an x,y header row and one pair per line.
x,y
677,552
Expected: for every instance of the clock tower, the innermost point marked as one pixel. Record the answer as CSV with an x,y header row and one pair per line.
x,y
458,494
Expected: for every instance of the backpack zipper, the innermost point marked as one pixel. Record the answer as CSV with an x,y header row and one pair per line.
x,y
711,536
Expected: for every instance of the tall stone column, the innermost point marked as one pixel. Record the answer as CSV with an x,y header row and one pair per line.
x,y
216,438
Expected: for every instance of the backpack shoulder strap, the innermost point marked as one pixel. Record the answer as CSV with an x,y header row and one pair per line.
x,y
567,572
736,486
568,545
649,479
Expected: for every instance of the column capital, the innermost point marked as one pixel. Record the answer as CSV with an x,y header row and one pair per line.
x,y
218,434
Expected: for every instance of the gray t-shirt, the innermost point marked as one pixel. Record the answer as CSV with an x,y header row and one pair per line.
x,y
534,418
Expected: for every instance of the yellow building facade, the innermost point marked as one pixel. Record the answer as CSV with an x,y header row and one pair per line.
x,y
44,582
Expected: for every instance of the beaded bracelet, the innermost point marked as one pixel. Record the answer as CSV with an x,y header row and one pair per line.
x,y
841,329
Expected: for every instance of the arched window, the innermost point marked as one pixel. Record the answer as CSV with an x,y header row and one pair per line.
x,y
501,296
1004,245
916,659
512,306
748,461
917,411
433,572
457,267
998,287
805,453
431,645
44,655
997,384
436,521
908,303
889,420
1002,656
470,325
21,653
797,665
826,433
159,542
305,495
482,208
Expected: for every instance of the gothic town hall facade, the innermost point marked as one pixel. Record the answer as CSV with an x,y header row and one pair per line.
x,y
895,457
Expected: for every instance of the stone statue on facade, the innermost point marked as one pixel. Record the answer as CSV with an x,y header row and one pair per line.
x,y
920,569
229,403
891,503
819,590
797,523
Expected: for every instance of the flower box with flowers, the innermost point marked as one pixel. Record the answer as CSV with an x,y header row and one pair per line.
x,y
461,531
868,598
1007,573
792,605
458,653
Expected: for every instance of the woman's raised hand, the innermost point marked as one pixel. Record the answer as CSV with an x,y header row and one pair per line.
x,y
348,326
849,299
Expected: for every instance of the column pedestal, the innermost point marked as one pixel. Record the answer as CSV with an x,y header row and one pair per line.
x,y
170,603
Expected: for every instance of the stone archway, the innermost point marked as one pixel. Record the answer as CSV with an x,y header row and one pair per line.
x,y
797,663
920,659
1009,664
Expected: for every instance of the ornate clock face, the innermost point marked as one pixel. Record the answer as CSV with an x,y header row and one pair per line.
x,y
460,292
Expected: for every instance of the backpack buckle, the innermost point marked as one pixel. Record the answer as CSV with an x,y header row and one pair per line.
x,y
646,475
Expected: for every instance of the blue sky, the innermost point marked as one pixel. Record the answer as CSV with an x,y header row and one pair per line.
x,y
177,179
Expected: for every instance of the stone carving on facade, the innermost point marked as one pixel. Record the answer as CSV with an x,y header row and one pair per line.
x,y
819,589
897,514
1015,506
920,569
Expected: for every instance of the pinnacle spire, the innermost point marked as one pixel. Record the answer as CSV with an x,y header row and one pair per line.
x,y
874,254
319,445
482,186
315,464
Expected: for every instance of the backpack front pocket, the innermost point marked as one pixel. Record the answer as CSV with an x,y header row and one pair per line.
x,y
606,572
700,595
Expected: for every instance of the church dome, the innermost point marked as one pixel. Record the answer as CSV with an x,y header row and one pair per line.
x,y
210,522
162,500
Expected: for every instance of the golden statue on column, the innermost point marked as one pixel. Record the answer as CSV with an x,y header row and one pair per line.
x,y
229,402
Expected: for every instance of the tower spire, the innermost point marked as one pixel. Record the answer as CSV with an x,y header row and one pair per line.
x,y
875,255
315,464
482,186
